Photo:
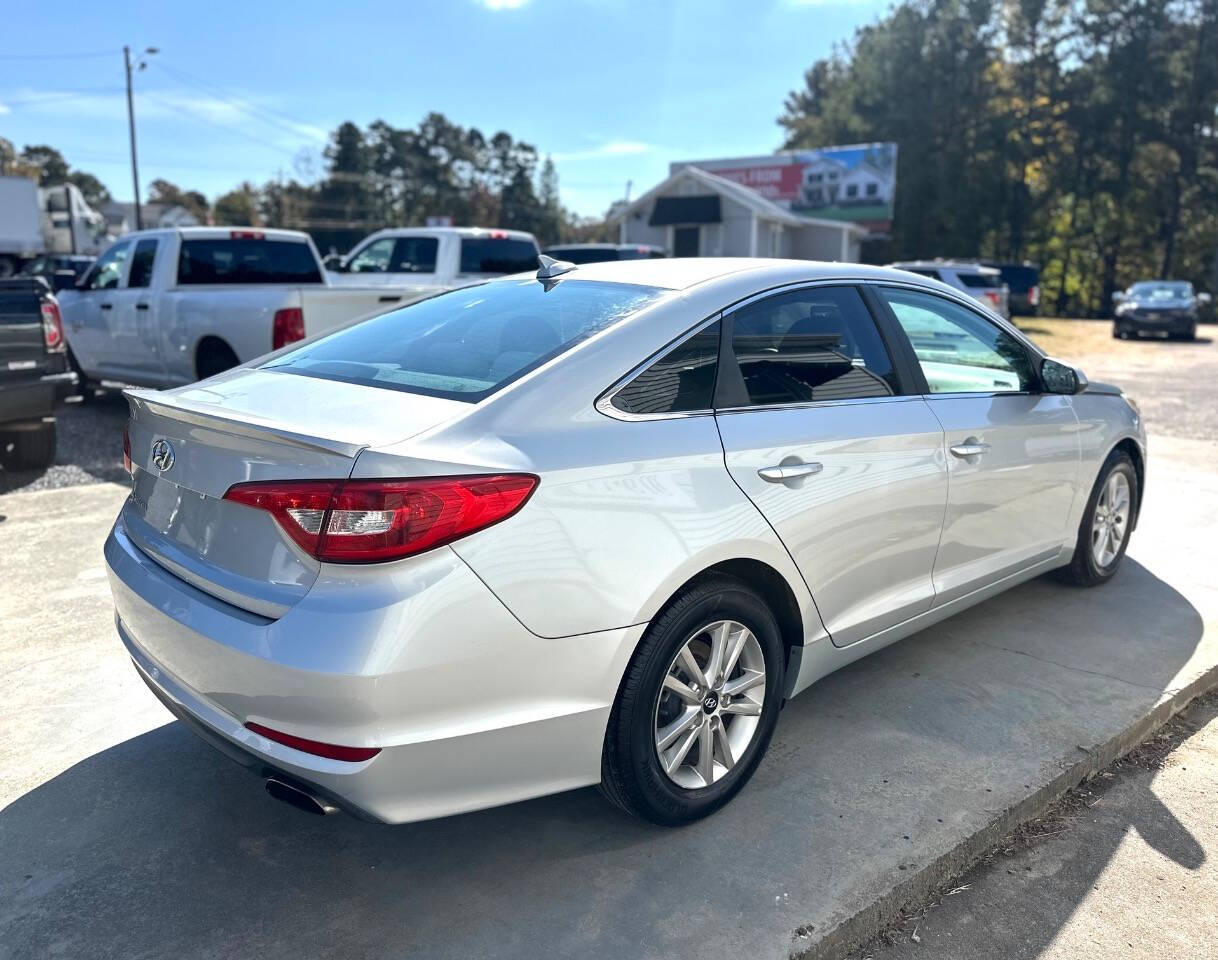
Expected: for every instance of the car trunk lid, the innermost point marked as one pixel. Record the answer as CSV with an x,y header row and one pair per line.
x,y
190,446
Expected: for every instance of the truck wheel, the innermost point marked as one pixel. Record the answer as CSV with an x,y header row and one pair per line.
x,y
215,356
28,449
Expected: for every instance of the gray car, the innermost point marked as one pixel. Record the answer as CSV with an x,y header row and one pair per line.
x,y
984,284
594,526
1158,307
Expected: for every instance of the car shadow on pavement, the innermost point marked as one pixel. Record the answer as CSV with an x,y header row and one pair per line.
x,y
158,846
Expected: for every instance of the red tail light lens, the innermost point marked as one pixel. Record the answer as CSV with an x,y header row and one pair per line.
x,y
1034,296
246,235
315,747
287,327
52,327
126,449
367,521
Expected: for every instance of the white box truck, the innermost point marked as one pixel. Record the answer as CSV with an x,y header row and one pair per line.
x,y
38,220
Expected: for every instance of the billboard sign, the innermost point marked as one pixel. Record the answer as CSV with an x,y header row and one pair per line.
x,y
855,182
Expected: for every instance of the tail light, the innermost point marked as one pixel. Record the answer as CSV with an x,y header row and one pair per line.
x,y
366,521
993,296
126,449
287,327
1034,296
52,327
315,747
246,235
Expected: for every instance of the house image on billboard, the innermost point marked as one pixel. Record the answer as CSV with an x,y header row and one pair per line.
x,y
696,213
828,182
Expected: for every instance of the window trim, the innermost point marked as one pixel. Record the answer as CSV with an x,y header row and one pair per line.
x,y
1034,354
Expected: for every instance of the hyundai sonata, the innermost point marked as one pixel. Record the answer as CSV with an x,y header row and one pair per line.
x,y
594,525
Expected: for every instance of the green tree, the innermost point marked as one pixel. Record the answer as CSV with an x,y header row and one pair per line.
x,y
238,208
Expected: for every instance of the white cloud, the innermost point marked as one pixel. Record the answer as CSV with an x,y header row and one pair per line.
x,y
501,4
611,148
3,108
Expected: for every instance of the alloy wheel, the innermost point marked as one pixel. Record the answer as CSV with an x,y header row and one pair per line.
x,y
709,707
1110,522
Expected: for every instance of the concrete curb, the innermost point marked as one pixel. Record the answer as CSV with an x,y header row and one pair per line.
x,y
923,885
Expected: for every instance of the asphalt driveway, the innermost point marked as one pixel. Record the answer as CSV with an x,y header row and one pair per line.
x,y
121,835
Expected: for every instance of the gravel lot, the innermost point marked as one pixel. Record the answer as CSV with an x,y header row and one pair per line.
x,y
90,435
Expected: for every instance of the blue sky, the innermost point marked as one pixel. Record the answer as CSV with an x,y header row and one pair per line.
x,y
612,90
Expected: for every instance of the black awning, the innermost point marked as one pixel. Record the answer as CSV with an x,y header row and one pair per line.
x,y
670,210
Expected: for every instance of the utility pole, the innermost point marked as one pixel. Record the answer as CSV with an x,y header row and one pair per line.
x,y
135,170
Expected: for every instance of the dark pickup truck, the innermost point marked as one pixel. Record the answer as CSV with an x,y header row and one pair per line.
x,y
34,373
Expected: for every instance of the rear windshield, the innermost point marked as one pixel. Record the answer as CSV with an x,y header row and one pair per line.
x,y
247,260
468,343
497,255
976,280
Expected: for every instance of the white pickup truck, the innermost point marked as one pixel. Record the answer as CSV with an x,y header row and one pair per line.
x,y
162,308
434,257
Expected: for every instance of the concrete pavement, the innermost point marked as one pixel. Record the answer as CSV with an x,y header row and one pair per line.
x,y
121,835
1125,868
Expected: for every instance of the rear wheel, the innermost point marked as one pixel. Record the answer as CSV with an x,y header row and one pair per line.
x,y
697,707
1103,534
28,448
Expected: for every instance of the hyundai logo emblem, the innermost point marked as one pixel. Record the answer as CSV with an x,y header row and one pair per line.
x,y
710,703
162,455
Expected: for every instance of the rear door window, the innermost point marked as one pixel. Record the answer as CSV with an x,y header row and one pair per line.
x,y
414,255
142,262
497,255
246,260
815,344
468,343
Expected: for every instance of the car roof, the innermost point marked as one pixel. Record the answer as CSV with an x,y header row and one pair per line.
x,y
603,246
454,231
681,273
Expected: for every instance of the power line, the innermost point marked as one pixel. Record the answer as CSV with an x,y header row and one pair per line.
x,y
220,126
266,114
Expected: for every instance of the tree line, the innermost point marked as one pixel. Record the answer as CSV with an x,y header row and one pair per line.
x,y
1078,134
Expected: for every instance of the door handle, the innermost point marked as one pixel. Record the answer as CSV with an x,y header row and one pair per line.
x,y
972,447
388,299
106,306
141,306
790,471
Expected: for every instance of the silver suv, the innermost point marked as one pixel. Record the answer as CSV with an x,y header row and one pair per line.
x,y
983,284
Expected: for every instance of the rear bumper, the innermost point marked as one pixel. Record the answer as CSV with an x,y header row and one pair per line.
x,y
31,399
468,708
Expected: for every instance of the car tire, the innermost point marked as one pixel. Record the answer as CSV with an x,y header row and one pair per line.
x,y
632,774
1091,566
28,449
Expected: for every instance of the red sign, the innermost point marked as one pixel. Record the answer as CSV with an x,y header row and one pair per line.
x,y
774,182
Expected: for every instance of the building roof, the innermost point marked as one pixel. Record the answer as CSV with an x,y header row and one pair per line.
x,y
738,192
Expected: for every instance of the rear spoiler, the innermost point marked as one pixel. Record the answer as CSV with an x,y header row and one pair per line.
x,y
204,415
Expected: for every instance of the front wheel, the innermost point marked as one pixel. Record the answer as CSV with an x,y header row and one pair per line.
x,y
697,707
1103,534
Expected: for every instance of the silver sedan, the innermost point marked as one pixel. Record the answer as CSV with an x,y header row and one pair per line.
x,y
594,525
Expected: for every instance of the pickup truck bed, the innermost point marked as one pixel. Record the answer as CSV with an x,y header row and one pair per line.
x,y
34,374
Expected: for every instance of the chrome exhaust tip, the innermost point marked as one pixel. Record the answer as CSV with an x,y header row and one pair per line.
x,y
300,799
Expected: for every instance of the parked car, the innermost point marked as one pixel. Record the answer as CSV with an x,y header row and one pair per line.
x,y
526,536
1159,307
983,284
166,307
601,252
1023,285
34,374
436,257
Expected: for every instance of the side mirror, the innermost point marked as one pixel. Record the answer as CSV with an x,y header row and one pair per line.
x,y
1117,296
334,263
1061,378
63,280
1204,299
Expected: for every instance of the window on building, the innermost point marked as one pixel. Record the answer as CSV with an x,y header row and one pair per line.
x,y
873,189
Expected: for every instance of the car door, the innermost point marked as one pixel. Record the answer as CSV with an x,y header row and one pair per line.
x,y
87,312
1013,450
821,431
133,333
